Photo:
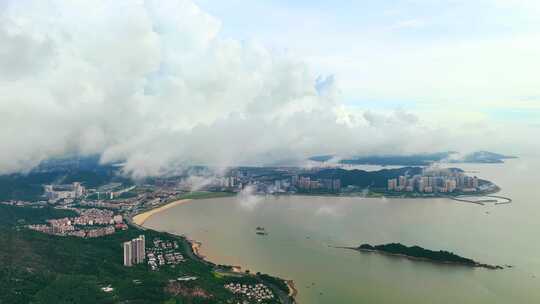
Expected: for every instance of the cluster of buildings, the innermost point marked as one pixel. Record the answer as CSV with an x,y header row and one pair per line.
x,y
65,228
207,182
134,251
258,292
287,183
164,253
106,204
93,216
83,225
68,193
154,197
308,184
295,183
441,181
227,182
111,194
264,180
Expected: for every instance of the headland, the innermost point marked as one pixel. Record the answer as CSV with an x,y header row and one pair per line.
x,y
422,254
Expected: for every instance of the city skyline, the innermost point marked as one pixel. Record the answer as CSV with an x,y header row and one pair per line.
x,y
433,181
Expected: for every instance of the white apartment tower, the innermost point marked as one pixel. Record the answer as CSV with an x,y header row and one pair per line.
x,y
141,252
128,254
134,251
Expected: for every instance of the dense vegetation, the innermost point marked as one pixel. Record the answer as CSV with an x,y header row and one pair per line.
x,y
205,194
11,216
41,268
419,252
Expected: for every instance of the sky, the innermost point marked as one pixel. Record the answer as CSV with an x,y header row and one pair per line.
x,y
412,53
160,85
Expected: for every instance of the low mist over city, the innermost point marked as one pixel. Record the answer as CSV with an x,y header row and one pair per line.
x,y
205,151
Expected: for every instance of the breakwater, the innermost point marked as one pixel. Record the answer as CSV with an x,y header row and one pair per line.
x,y
497,200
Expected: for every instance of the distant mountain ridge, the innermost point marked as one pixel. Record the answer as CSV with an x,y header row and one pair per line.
x,y
423,159
485,157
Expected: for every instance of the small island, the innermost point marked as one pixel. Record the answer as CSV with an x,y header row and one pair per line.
x,y
419,253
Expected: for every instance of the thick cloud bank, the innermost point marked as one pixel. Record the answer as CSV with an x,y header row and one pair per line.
x,y
152,83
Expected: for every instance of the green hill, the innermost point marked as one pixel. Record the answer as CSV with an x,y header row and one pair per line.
x,y
40,268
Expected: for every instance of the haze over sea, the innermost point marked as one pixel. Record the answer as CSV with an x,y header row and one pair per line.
x,y
302,229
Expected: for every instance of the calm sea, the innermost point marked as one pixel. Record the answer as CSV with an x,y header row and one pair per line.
x,y
303,229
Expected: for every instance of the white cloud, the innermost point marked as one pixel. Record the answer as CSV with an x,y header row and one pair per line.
x,y
151,83
408,24
247,200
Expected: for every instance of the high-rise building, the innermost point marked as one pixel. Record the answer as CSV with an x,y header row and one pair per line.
x,y
134,251
461,181
451,185
304,183
294,180
128,254
137,246
392,184
475,182
421,184
277,184
430,181
402,182
141,248
78,189
336,185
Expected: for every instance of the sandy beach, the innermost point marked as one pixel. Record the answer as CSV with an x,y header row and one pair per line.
x,y
139,219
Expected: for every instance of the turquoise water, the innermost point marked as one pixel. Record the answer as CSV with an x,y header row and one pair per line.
x,y
302,229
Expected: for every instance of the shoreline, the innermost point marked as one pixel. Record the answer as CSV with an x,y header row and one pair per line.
x,y
379,195
292,289
141,218
195,246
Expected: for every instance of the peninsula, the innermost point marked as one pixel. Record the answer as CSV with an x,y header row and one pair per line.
x,y
419,253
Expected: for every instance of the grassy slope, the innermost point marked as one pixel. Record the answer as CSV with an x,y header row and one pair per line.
x,y
205,194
